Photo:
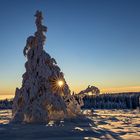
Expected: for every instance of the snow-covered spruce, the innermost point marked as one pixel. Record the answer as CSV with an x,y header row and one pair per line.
x,y
44,94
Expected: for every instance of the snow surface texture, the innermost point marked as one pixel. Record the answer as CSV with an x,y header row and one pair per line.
x,y
44,94
96,125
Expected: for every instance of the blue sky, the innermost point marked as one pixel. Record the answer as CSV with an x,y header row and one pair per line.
x,y
95,42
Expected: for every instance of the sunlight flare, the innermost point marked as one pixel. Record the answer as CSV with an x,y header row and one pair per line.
x,y
60,83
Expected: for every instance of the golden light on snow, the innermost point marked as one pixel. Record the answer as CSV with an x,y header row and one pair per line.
x,y
60,83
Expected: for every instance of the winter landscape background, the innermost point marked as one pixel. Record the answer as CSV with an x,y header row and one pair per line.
x,y
69,70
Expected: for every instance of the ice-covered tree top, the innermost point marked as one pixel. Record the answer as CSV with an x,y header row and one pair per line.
x,y
40,28
39,37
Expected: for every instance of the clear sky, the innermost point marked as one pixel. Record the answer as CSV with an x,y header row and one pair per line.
x,y
95,42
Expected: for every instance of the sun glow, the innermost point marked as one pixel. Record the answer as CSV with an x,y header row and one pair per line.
x,y
60,83
57,84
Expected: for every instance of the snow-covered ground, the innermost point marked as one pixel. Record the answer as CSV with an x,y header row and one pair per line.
x,y
99,124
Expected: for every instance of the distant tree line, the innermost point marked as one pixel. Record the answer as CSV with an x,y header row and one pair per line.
x,y
102,101
6,104
113,101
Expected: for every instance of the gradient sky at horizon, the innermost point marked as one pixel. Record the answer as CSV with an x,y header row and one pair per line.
x,y
95,42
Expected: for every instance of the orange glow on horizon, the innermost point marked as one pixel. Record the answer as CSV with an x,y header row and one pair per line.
x,y
121,89
110,90
10,92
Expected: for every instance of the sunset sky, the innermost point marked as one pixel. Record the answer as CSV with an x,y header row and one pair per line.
x,y
95,42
